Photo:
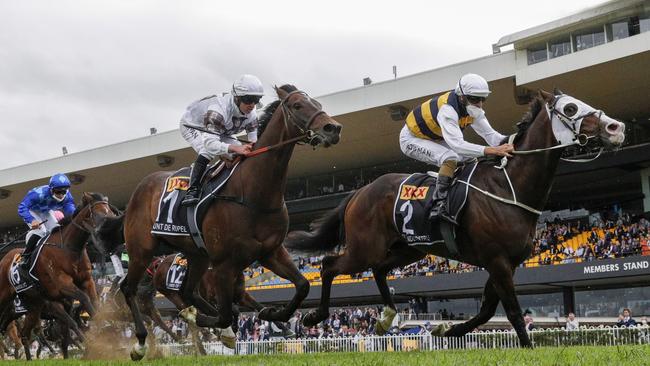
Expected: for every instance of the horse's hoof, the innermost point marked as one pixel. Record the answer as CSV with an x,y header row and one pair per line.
x,y
440,330
268,313
228,338
138,352
386,320
189,315
311,319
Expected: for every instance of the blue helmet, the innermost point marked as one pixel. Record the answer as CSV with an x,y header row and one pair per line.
x,y
59,181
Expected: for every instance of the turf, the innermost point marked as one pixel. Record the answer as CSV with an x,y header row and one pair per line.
x,y
622,355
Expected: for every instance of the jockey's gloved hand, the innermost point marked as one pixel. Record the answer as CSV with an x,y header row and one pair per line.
x,y
240,149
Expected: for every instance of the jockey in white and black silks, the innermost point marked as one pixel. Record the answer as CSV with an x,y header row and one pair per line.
x,y
226,116
38,209
433,134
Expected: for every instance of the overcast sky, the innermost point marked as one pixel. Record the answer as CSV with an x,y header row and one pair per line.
x,y
86,73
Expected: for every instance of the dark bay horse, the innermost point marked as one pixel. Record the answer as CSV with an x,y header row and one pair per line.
x,y
63,269
492,234
235,233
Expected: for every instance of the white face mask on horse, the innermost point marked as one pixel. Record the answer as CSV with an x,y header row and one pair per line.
x,y
567,114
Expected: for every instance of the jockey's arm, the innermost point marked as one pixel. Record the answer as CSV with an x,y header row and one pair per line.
x,y
453,135
25,205
68,205
484,129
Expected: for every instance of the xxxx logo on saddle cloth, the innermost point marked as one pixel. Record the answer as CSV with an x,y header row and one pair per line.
x,y
413,203
176,273
172,218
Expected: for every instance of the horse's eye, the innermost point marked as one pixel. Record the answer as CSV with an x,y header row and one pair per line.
x,y
570,109
296,106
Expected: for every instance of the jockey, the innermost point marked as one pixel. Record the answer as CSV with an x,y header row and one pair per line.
x,y
226,116
41,204
434,134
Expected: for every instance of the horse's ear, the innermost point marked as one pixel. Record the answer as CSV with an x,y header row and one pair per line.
x,y
281,93
86,198
557,91
548,97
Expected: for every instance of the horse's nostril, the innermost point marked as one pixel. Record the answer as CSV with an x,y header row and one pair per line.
x,y
329,128
612,127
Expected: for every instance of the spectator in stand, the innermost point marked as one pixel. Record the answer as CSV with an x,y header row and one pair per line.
x,y
571,322
625,319
528,319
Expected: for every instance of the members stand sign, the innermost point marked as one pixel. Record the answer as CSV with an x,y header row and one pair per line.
x,y
616,267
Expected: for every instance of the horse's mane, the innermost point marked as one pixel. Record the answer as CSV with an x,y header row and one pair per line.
x,y
534,107
270,109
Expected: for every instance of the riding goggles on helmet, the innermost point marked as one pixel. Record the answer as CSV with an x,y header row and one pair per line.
x,y
59,191
250,99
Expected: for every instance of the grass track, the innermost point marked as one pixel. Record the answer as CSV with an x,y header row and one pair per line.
x,y
588,356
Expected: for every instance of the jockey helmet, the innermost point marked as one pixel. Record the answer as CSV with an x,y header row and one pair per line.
x,y
472,85
247,85
59,181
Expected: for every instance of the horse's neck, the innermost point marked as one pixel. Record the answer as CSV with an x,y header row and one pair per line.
x,y
532,175
71,238
270,168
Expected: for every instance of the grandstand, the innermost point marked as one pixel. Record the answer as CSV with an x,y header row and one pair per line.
x,y
611,75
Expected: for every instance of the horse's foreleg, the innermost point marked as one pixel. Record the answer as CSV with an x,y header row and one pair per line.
x,y
397,257
501,275
488,308
57,310
70,290
196,270
329,270
31,320
129,288
281,264
154,314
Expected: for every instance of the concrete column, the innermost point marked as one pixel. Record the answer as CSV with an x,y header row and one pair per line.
x,y
645,188
569,300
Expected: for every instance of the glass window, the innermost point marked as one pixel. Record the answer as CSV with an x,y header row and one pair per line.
x,y
611,302
540,305
619,30
559,48
589,38
644,25
537,54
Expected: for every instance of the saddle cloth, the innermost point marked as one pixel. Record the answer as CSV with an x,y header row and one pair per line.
x,y
17,276
413,203
172,218
176,273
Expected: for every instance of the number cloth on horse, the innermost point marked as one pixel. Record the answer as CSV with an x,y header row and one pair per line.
x,y
176,273
172,219
17,275
413,204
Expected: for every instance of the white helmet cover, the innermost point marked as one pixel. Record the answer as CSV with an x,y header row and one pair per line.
x,y
474,85
247,85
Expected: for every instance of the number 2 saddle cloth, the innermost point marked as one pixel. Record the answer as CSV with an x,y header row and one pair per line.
x,y
413,203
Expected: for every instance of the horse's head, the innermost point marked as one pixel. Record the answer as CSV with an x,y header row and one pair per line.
x,y
307,115
576,121
95,210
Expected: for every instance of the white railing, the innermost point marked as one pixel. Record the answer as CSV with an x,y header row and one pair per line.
x,y
603,336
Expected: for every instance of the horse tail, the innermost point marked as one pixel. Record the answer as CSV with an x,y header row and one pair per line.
x,y
325,233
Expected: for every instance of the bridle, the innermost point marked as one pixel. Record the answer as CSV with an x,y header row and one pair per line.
x,y
302,124
572,124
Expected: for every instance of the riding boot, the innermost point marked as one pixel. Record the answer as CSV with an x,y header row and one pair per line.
x,y
439,200
27,253
194,190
